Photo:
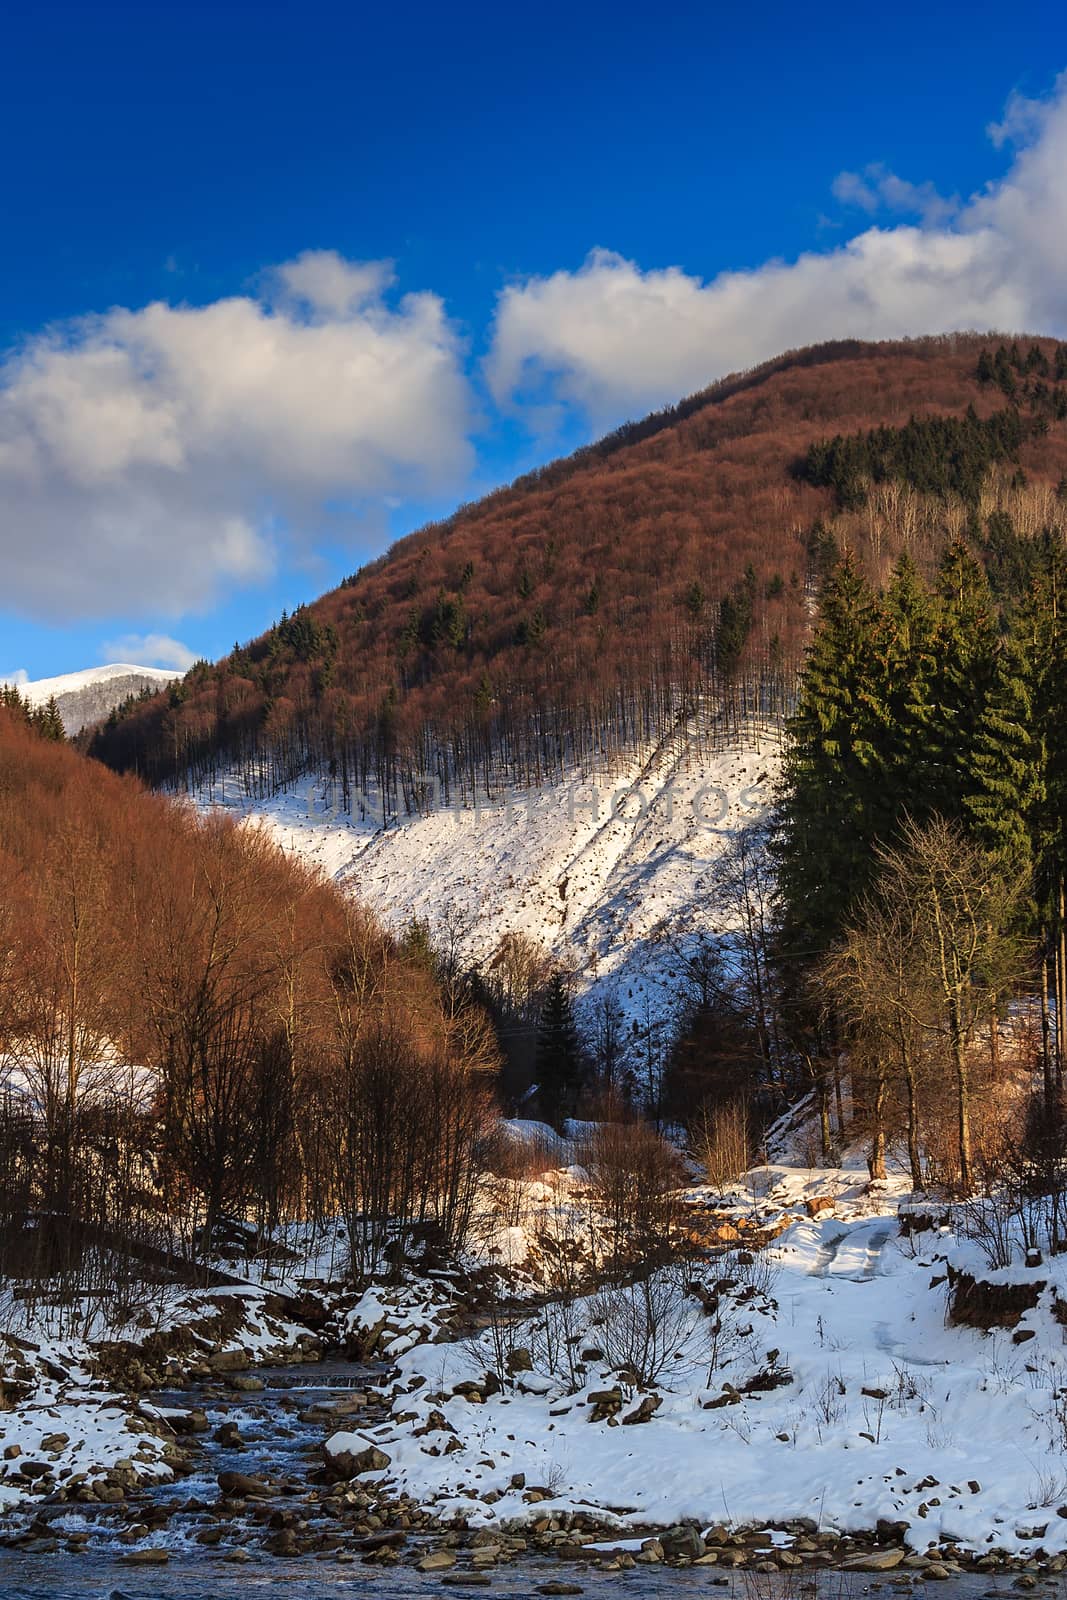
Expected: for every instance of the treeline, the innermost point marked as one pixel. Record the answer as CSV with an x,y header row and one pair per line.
x,y
658,585
44,720
936,455
922,840
197,1033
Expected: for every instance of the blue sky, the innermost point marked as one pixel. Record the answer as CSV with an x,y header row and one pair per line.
x,y
588,211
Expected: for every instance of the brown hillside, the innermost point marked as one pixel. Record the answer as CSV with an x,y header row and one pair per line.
x,y
667,571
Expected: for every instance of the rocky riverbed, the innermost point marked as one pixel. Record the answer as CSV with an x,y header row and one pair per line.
x,y
387,1440
258,1496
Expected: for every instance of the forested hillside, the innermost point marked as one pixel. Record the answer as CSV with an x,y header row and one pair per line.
x,y
664,574
195,1026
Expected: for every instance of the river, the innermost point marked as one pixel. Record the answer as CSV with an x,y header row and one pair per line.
x,y
79,1554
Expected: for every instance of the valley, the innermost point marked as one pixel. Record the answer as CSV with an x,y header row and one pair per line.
x,y
539,1071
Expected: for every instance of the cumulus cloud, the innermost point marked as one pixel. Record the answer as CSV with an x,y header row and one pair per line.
x,y
329,285
16,678
1021,121
148,650
153,456
877,189
613,338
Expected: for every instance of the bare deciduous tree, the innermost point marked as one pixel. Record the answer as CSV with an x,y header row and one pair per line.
x,y
919,969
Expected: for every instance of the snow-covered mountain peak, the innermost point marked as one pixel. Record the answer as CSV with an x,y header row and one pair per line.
x,y
87,696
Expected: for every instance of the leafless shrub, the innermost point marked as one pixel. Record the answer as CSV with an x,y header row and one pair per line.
x,y
634,1178
1048,1488
505,1331
722,1142
519,1160
556,1336
642,1325
829,1400
754,1269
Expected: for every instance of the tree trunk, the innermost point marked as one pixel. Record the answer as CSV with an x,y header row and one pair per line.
x,y
1046,1029
911,1088
876,1162
824,1117
839,1100
963,1094
1061,985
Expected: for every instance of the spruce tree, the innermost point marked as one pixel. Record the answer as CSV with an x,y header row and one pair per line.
x,y
1001,768
830,803
559,1054
1046,641
48,721
967,647
907,654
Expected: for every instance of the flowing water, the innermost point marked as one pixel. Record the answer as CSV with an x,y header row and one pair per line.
x,y
281,1434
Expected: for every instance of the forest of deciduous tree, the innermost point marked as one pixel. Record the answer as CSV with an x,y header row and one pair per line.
x,y
913,499
661,580
195,1030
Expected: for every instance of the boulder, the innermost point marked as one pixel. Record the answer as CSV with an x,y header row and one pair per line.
x,y
242,1486
437,1561
282,1543
645,1411
682,1541
604,1403
349,1463
227,1361
875,1560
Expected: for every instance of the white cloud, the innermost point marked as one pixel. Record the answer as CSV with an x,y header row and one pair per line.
x,y
16,678
149,457
1021,121
329,285
148,650
614,339
876,189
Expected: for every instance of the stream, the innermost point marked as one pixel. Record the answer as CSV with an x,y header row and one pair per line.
x,y
78,1551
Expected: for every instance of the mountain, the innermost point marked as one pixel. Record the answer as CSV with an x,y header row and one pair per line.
x,y
87,697
585,610
435,730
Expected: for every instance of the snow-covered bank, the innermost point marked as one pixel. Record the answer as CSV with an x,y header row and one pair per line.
x,y
72,1426
60,1424
610,877
840,1393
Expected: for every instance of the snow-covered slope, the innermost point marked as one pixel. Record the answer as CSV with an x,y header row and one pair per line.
x,y
830,1383
610,877
87,696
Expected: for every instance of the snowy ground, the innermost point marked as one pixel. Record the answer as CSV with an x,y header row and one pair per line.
x,y
68,1413
68,1424
864,1402
609,877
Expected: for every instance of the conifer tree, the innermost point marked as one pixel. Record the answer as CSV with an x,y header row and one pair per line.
x,y
1001,767
1046,643
967,646
907,652
559,1054
830,795
51,724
